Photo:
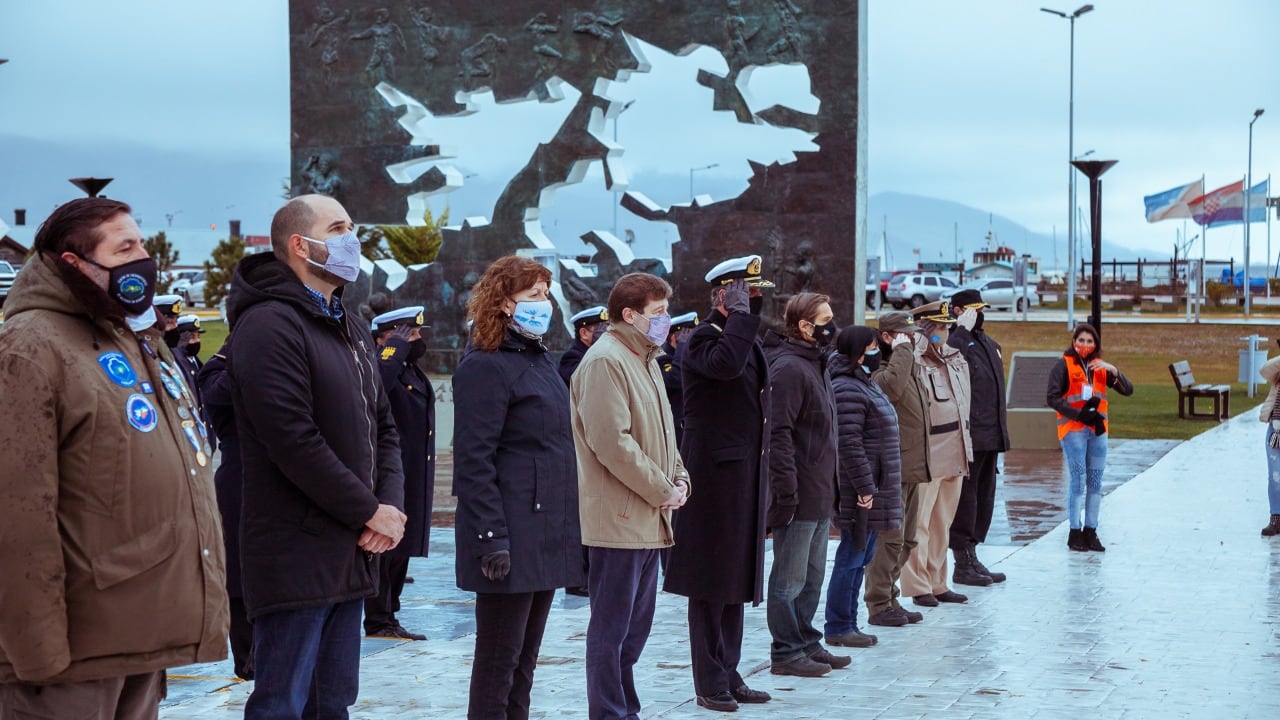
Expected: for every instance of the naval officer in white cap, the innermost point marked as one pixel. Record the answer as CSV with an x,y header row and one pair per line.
x,y
587,326
398,334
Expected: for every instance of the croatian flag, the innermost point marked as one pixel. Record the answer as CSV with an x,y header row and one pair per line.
x,y
1225,206
1173,203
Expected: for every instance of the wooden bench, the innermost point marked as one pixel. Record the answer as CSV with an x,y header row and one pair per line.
x,y
1189,390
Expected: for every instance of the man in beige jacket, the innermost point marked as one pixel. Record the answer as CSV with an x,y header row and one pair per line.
x,y
630,478
944,373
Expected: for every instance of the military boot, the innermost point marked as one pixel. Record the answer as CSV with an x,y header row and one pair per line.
x,y
965,573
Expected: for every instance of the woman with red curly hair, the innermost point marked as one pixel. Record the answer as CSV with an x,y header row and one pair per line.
x,y
515,476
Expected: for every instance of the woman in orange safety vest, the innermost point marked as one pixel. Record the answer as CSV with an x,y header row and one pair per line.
x,y
1078,385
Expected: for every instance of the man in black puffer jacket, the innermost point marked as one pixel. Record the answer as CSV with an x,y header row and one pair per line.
x,y
323,484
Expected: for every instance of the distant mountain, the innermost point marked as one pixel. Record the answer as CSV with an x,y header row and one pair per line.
x,y
943,231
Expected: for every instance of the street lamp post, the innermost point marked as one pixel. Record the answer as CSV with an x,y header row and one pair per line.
x,y
625,105
694,170
1071,140
1093,169
1248,195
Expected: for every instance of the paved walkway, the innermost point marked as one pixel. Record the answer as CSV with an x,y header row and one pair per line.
x,y
1180,618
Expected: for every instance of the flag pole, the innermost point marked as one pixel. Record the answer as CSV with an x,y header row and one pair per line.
x,y
1267,217
1202,288
1248,305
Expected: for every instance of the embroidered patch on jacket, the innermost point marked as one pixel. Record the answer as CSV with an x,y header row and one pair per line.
x,y
118,369
141,413
388,352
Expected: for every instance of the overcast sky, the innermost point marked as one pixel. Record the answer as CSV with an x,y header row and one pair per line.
x,y
968,101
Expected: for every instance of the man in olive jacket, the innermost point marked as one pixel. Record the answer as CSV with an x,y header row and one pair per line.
x,y
630,478
898,379
323,485
110,543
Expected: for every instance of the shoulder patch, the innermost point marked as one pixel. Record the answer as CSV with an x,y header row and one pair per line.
x,y
117,367
388,352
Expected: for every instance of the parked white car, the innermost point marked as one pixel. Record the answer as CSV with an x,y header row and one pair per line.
x,y
917,288
999,293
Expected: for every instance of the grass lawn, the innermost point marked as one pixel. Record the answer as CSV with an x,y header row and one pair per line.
x,y
1143,353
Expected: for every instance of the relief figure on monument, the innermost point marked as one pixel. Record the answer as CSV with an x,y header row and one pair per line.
x,y
324,32
540,26
787,48
382,63
429,34
478,58
321,177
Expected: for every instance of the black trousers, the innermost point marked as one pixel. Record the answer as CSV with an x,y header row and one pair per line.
x,y
715,643
380,610
508,634
977,501
241,640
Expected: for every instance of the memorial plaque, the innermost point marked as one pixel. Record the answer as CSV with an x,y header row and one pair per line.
x,y
1032,424
1029,379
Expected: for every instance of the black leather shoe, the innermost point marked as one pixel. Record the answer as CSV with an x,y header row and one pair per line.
x,y
951,597
836,662
723,702
925,600
965,573
395,631
996,577
746,695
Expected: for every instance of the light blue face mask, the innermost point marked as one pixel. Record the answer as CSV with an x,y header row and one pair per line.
x,y
533,316
344,255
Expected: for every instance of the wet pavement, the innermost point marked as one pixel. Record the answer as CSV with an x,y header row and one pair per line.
x,y
1136,632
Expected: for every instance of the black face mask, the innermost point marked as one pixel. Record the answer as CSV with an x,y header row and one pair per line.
x,y
872,362
171,337
417,348
977,325
192,349
132,285
824,334
756,304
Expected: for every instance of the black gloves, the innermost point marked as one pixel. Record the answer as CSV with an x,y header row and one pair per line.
x,y
737,297
496,565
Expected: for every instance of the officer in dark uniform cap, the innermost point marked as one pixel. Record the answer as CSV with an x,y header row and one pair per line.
x,y
587,326
398,334
669,362
187,351
718,557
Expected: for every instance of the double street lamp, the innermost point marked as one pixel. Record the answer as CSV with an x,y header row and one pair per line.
x,y
1248,195
1071,139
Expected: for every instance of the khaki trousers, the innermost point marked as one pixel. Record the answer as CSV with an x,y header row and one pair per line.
x,y
132,697
925,571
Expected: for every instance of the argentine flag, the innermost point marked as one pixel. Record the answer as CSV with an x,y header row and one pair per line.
x,y
1173,203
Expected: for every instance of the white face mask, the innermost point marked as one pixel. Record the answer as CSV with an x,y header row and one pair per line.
x,y
533,316
138,323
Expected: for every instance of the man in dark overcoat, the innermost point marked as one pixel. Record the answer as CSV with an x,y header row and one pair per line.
x,y
718,557
398,334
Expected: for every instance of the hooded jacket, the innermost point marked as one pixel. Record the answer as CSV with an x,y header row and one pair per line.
x,y
802,441
318,444
110,541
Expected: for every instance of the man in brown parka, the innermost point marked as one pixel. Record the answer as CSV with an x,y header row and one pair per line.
x,y
110,541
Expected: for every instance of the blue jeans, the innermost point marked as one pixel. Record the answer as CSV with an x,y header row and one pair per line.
x,y
795,586
1273,474
623,587
846,584
306,663
1086,456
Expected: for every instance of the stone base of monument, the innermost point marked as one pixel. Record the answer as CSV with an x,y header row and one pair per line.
x,y
1032,424
1031,429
